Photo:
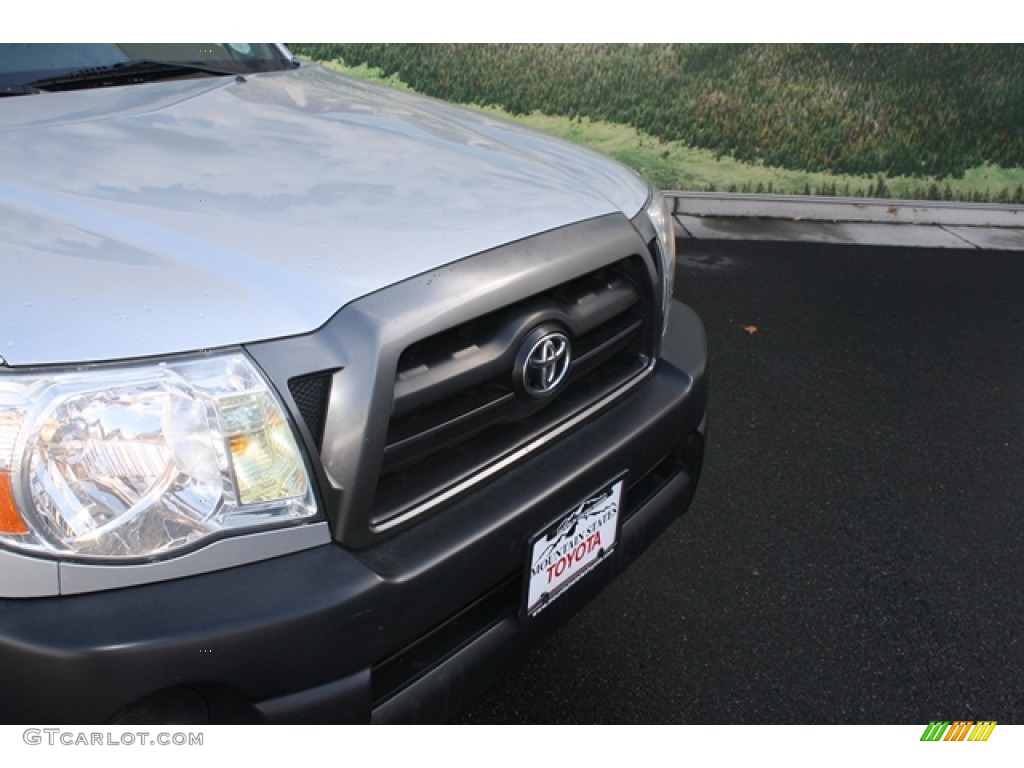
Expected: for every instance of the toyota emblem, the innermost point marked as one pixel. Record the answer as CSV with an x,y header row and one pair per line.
x,y
543,362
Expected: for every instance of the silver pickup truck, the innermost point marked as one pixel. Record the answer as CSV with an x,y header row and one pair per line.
x,y
319,401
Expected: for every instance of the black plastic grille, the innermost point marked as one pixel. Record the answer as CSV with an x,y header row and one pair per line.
x,y
457,404
311,394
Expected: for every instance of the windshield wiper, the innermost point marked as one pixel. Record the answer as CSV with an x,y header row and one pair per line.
x,y
14,90
123,73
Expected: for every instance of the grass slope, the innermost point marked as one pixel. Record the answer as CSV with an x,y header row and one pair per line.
x,y
673,165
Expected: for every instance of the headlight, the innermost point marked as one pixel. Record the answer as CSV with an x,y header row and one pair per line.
x,y
140,462
660,214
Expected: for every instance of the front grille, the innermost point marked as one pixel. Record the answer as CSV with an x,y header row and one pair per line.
x,y
412,396
457,406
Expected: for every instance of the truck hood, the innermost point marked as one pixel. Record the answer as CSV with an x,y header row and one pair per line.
x,y
193,214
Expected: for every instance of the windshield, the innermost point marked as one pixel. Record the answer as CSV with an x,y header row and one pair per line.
x,y
27,64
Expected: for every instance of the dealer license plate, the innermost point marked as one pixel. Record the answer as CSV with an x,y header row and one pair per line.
x,y
567,550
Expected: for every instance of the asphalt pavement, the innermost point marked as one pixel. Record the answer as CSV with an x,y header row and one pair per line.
x,y
855,552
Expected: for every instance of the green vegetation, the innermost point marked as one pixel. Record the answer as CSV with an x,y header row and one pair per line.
x,y
909,121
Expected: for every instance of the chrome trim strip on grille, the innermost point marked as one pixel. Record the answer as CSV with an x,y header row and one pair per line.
x,y
517,455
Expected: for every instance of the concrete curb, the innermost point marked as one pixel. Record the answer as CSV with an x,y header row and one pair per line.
x,y
846,209
796,218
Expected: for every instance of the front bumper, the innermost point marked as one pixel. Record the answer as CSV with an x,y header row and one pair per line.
x,y
409,629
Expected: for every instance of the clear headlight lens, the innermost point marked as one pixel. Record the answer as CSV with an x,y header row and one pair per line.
x,y
660,213
140,462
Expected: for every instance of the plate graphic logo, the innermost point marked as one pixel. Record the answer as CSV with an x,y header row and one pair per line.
x,y
569,549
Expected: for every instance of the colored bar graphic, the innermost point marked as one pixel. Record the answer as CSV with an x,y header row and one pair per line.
x,y
982,730
935,730
958,731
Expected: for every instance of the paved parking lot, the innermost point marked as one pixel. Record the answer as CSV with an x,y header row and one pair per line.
x,y
855,551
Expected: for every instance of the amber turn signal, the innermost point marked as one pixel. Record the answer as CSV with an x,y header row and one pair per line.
x,y
10,520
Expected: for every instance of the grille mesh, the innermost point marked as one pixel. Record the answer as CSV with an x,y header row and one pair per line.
x,y
310,394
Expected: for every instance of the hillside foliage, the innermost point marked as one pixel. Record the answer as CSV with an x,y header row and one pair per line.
x,y
912,110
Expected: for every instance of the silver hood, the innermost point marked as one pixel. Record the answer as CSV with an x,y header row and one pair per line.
x,y
193,214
